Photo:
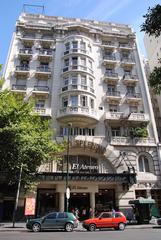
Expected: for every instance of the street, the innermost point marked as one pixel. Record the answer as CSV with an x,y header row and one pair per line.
x,y
128,234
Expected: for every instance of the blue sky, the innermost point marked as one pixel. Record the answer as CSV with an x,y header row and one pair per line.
x,y
118,11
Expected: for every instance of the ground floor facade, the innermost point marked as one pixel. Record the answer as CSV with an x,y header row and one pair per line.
x,y
100,177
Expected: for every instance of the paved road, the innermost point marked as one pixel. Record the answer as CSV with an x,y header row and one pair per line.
x,y
128,234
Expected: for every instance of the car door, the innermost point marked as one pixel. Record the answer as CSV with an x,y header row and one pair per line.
x,y
105,220
49,221
61,219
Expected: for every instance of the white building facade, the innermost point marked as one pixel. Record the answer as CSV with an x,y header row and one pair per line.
x,y
88,78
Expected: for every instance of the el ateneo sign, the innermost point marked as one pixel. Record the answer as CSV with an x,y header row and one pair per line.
x,y
97,148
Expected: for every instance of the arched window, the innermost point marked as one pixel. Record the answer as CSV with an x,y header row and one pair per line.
x,y
143,164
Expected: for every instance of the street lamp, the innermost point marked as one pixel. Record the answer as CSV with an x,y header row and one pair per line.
x,y
67,175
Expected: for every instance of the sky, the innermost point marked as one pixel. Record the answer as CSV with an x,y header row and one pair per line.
x,y
118,11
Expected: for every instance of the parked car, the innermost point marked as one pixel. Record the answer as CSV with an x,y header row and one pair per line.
x,y
115,220
54,220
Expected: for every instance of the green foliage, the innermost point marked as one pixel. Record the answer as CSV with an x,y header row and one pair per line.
x,y
152,23
1,79
155,80
140,132
25,138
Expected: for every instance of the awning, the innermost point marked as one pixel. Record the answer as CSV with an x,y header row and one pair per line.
x,y
142,200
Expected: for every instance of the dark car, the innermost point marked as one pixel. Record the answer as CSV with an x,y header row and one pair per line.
x,y
115,220
54,220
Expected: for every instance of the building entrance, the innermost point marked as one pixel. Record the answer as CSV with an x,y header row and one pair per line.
x,y
80,201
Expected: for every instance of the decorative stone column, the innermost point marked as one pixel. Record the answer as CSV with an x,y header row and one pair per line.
x,y
92,201
61,202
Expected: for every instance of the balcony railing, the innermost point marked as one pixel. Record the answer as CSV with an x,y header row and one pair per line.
x,y
132,141
139,117
113,93
133,95
130,76
77,67
78,87
77,110
76,50
125,45
26,51
113,115
127,60
22,68
41,88
45,52
111,74
19,87
44,69
109,57
43,111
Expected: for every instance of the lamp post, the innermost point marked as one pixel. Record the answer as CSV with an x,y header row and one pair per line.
x,y
67,175
17,197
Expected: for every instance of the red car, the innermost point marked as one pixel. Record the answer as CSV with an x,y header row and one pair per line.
x,y
115,220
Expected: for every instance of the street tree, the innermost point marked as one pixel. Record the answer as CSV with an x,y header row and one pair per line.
x,y
26,139
152,27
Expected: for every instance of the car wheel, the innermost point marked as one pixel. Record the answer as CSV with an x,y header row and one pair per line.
x,y
36,227
69,227
121,226
92,227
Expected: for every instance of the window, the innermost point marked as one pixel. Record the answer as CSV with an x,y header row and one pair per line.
x,y
40,103
92,103
83,80
90,64
111,88
106,215
74,79
115,132
74,100
51,216
42,83
62,215
21,82
66,62
143,164
117,215
83,46
83,61
75,46
133,109
84,101
74,61
113,108
66,81
131,89
91,82
67,46
65,102
109,70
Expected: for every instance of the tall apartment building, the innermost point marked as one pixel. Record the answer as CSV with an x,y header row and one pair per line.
x,y
153,48
88,78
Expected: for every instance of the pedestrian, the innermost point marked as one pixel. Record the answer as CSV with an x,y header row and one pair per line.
x,y
84,212
77,213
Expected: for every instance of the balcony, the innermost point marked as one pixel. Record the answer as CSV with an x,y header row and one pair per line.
x,y
113,116
22,71
127,141
129,79
78,87
42,90
111,77
78,116
113,96
45,55
77,51
108,45
109,59
127,62
138,118
19,88
46,112
77,68
133,97
28,39
43,72
125,46
46,40
25,53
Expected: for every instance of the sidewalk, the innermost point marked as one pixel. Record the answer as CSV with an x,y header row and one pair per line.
x,y
21,226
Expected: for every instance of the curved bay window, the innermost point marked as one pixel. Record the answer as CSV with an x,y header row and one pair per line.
x,y
80,164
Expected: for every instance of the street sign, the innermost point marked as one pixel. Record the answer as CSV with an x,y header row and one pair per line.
x,y
68,193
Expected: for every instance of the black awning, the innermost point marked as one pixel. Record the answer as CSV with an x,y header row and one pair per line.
x,y
129,178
